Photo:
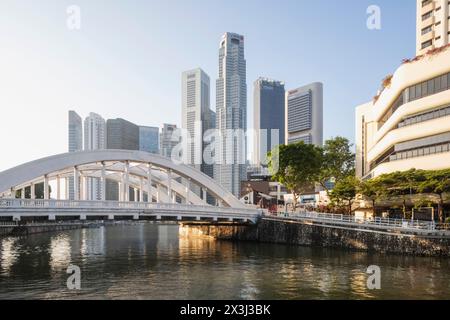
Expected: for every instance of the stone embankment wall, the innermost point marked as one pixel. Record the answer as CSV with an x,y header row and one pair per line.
x,y
290,233
26,230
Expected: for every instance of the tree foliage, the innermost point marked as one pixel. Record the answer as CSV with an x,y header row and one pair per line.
x,y
296,166
338,161
344,192
405,184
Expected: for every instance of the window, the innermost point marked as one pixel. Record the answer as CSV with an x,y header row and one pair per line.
x,y
424,88
418,91
427,44
427,15
437,84
426,30
425,2
444,82
413,93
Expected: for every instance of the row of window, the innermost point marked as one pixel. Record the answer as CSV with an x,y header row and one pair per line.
x,y
416,92
414,148
420,152
426,116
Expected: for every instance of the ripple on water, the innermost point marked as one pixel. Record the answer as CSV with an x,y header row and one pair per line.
x,y
145,261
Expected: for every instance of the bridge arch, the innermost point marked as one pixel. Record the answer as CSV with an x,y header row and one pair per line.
x,y
147,173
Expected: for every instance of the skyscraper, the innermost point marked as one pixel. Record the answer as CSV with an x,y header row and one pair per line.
x,y
94,138
149,139
304,114
196,115
231,113
75,132
75,144
432,25
166,140
122,134
268,115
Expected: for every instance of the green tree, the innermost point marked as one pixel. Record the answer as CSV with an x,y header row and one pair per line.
x,y
338,161
373,189
344,192
296,166
437,183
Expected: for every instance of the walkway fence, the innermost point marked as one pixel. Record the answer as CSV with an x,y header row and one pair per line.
x,y
367,223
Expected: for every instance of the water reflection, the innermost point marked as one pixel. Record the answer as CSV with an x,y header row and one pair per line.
x,y
146,261
9,253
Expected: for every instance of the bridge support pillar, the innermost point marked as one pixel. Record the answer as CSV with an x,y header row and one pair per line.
x,y
136,216
110,217
103,182
188,187
46,191
179,218
127,182
58,188
149,183
204,195
158,217
141,190
33,192
16,217
215,219
51,217
169,185
82,217
76,183
197,218
157,194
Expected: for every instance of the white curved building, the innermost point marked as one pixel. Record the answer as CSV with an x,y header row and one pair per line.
x,y
408,126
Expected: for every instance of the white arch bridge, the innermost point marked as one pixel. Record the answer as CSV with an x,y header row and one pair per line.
x,y
142,185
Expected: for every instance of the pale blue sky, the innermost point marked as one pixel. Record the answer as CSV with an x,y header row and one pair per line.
x,y
127,59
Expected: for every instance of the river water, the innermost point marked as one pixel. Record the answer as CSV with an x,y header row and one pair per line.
x,y
151,261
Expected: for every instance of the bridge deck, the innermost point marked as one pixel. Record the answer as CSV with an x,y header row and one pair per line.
x,y
53,209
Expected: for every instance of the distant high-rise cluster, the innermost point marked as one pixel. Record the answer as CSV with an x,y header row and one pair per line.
x,y
279,117
110,134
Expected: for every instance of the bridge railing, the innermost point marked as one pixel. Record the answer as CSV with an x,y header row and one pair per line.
x,y
350,219
41,203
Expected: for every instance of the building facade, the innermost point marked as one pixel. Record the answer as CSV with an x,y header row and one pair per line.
x,y
196,115
166,140
433,28
268,117
408,125
75,144
304,114
149,139
94,139
231,113
122,134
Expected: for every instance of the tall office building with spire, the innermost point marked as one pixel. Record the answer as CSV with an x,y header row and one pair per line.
x,y
94,139
231,113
